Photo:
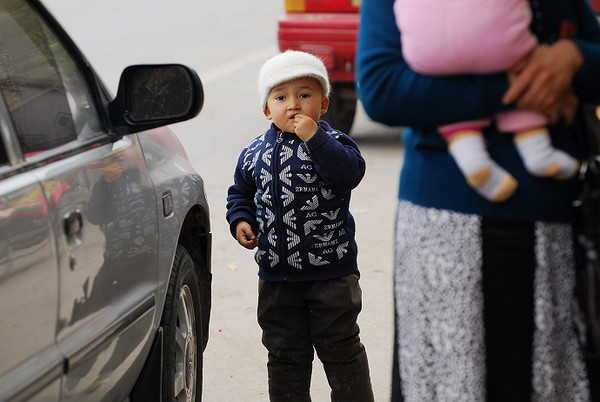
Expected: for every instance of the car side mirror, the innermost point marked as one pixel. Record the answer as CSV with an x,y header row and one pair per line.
x,y
151,96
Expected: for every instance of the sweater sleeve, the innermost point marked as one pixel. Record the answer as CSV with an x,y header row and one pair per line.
x,y
394,94
337,159
240,199
587,79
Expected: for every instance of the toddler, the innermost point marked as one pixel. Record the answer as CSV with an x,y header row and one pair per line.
x,y
290,199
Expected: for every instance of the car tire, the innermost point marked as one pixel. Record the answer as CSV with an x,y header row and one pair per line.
x,y
342,106
182,324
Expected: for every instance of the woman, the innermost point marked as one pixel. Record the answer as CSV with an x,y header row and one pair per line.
x,y
483,290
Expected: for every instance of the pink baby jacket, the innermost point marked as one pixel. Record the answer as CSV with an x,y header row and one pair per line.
x,y
441,37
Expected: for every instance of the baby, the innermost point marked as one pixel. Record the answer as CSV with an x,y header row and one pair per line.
x,y
476,36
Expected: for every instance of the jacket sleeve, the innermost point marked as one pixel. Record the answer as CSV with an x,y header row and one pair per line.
x,y
337,160
394,94
240,199
587,79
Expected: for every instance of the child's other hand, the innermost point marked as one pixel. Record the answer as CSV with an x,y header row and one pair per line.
x,y
304,126
245,236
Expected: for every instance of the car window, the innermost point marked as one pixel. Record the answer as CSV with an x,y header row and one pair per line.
x,y
42,86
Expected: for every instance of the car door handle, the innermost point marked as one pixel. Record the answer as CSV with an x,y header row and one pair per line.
x,y
72,224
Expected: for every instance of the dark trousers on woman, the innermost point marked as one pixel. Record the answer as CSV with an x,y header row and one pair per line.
x,y
508,274
300,317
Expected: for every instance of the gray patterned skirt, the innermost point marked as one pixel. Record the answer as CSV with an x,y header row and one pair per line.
x,y
440,329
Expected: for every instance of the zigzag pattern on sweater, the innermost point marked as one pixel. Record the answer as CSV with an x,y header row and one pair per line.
x,y
297,193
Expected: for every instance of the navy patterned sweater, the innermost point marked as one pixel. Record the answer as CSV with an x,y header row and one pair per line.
x,y
296,197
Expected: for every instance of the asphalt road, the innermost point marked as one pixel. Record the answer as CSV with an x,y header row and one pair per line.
x,y
226,43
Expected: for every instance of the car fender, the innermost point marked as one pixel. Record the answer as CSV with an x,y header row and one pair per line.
x,y
181,198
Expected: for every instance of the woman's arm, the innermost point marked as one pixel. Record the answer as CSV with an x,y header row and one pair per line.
x,y
586,82
544,81
548,79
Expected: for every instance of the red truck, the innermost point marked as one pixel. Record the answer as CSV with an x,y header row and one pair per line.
x,y
328,29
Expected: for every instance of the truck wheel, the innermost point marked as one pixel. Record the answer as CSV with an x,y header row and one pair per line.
x,y
182,323
342,106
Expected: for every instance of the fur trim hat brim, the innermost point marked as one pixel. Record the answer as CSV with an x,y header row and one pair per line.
x,y
288,66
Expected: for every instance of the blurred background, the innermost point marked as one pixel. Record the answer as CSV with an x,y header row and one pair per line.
x,y
226,43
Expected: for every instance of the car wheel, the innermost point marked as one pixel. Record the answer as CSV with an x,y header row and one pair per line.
x,y
182,360
342,106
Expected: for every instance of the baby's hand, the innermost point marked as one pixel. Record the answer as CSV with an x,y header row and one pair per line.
x,y
245,236
304,126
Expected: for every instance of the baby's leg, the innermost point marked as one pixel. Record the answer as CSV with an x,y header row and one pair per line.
x,y
467,147
535,146
541,158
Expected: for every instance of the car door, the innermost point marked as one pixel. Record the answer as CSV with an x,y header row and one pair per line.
x,y
99,209
31,362
28,290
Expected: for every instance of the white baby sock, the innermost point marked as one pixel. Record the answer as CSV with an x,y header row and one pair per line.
x,y
541,158
482,173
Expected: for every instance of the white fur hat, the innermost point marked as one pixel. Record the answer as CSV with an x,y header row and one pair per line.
x,y
287,66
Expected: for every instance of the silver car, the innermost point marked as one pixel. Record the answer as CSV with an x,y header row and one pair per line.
x,y
104,226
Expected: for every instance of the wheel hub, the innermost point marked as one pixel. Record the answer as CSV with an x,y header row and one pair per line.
x,y
187,325
189,362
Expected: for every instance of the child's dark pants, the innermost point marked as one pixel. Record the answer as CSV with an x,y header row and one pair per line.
x,y
295,317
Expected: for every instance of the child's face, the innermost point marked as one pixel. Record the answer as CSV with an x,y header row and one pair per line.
x,y
299,96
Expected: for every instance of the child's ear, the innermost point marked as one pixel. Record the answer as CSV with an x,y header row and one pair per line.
x,y
267,112
324,105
